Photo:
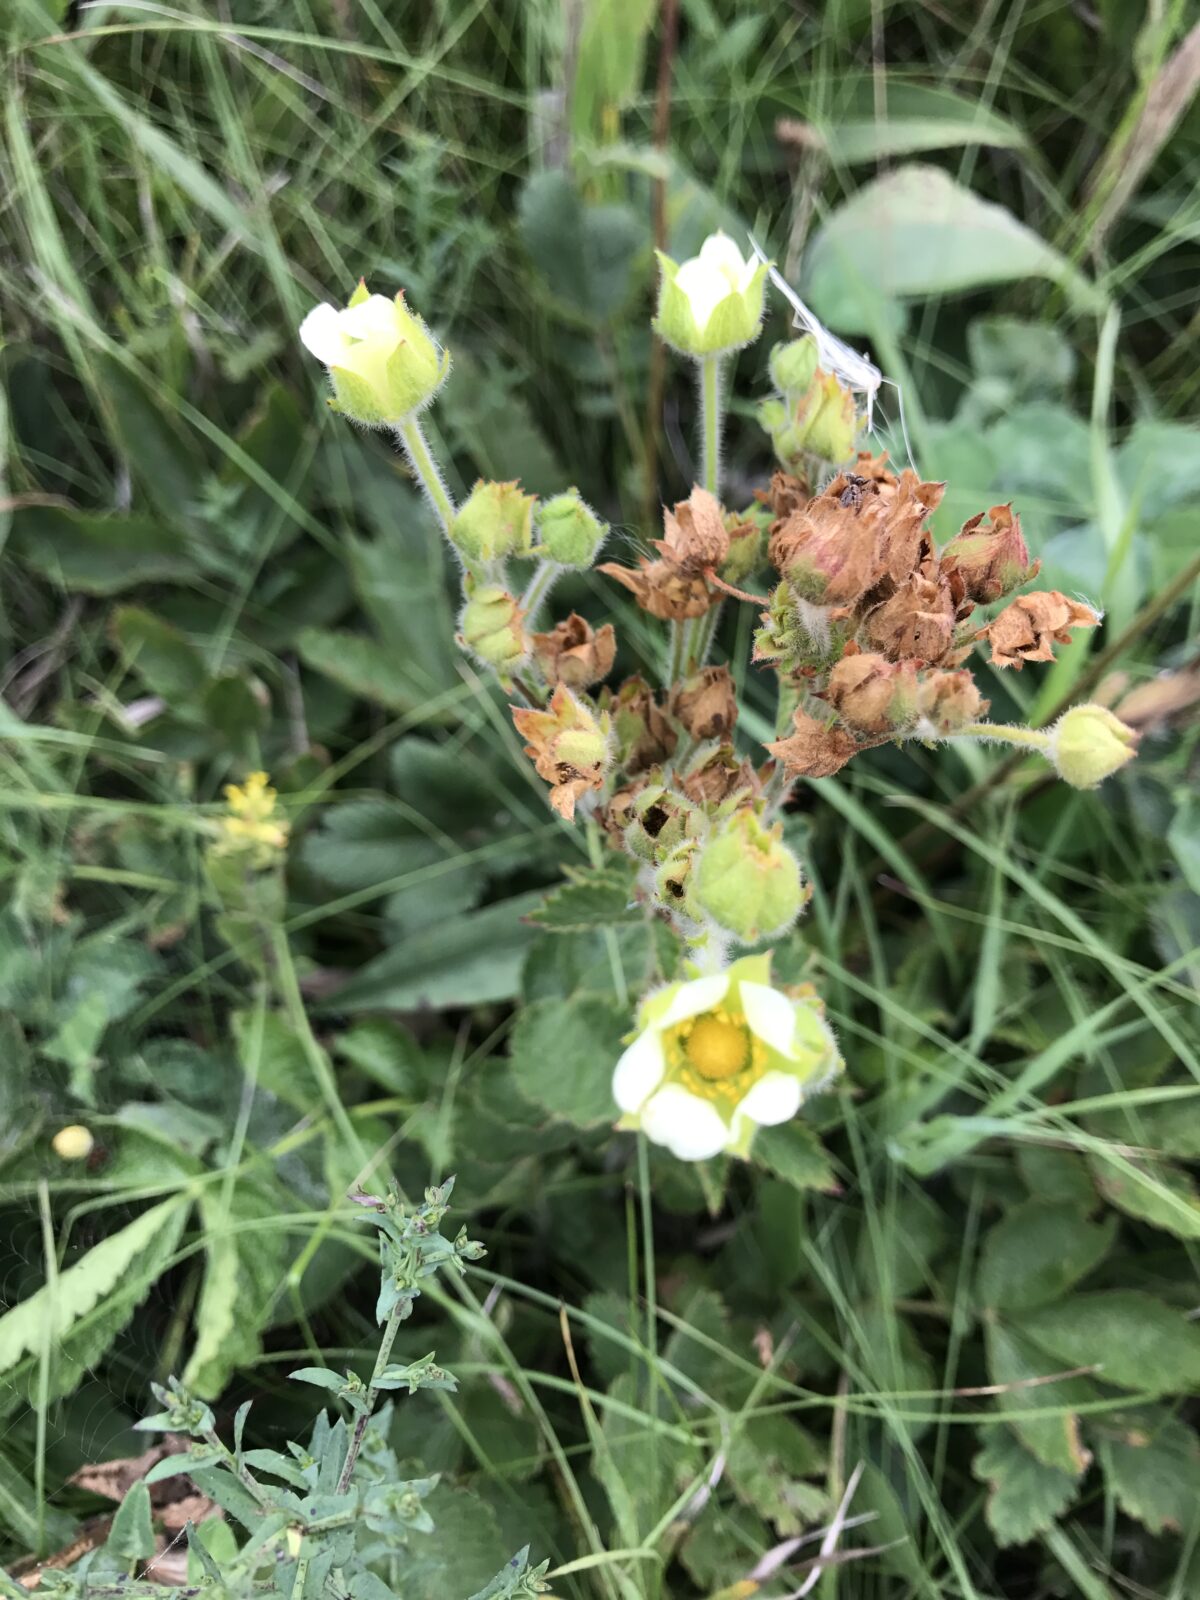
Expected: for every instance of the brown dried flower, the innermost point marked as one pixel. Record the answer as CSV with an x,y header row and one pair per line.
x,y
948,701
917,622
720,775
662,590
872,694
814,749
786,494
1026,629
992,560
705,703
568,746
695,537
574,654
645,737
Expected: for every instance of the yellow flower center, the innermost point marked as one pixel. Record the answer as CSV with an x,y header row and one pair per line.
x,y
717,1047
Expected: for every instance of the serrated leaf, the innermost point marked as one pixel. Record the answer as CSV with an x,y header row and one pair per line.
x,y
273,1056
768,1461
89,1304
166,662
1136,1341
793,1152
1152,1463
1158,1192
563,1053
245,1259
596,898
1025,1496
1053,1436
1037,1252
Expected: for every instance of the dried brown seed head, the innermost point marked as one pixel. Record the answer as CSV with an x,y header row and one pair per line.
x,y
814,749
575,654
705,703
1026,629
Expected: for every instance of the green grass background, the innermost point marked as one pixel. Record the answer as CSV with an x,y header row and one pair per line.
x,y
203,572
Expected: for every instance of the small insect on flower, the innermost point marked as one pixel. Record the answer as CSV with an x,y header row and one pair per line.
x,y
252,825
857,372
719,1056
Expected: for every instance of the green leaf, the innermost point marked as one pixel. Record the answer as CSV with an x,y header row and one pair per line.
x,y
19,1510
85,1309
1152,1463
462,961
273,1056
373,671
610,55
1052,1437
1136,1341
563,1053
166,662
386,1052
1038,1252
97,554
1157,1192
585,253
916,232
1025,1496
593,897
462,1563
919,117
132,1535
768,1460
793,1152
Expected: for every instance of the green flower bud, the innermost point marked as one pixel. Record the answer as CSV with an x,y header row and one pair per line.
x,y
794,366
492,628
661,821
1089,743
569,531
383,362
712,303
495,521
746,880
671,879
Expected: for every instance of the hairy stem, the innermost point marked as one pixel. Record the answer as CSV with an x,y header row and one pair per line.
x,y
710,423
420,459
545,574
360,1427
1004,733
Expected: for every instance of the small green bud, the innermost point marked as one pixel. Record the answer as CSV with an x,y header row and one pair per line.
x,y
569,531
660,822
1089,743
492,627
712,303
794,366
383,362
671,878
746,880
495,521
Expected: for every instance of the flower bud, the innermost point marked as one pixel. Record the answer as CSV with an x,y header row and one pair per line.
x,y
745,546
73,1143
1089,743
992,560
382,360
492,628
568,745
746,880
659,823
705,704
671,878
712,303
949,701
873,695
569,531
794,366
495,521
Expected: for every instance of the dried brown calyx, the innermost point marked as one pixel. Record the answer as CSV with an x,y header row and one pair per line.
x,y
949,701
705,704
568,745
1026,629
873,695
719,776
918,620
695,538
813,749
991,556
645,737
575,654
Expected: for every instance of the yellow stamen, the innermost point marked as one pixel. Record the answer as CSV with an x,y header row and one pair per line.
x,y
717,1047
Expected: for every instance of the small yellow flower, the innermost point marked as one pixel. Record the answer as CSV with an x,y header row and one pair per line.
x,y
252,825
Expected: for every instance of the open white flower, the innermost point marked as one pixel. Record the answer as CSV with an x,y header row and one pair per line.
x,y
713,302
382,360
718,1056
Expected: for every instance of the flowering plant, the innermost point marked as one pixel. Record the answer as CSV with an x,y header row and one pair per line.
x,y
867,628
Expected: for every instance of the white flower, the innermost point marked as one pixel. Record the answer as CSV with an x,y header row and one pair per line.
x,y
382,360
712,303
718,1056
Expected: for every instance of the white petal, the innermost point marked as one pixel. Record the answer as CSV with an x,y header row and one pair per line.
x,y
690,1128
321,334
374,317
774,1098
701,994
704,287
772,1016
719,251
639,1071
